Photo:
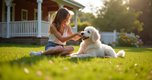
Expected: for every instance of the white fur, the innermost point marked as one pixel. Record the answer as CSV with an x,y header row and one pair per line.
x,y
92,47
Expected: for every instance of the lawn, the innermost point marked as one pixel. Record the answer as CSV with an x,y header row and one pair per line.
x,y
16,64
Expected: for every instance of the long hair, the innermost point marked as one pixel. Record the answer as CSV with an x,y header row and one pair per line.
x,y
61,15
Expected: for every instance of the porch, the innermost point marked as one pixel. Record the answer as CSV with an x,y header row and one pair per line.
x,y
36,23
25,29
28,21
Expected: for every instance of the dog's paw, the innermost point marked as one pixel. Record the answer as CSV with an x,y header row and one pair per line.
x,y
73,56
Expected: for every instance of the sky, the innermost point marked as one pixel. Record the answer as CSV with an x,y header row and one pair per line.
x,y
91,6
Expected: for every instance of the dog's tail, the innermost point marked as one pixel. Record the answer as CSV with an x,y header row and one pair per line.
x,y
121,53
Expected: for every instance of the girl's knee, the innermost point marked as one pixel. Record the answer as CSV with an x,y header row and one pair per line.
x,y
59,48
69,48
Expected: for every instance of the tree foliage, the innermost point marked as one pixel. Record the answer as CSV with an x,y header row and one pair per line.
x,y
116,16
85,17
84,20
145,6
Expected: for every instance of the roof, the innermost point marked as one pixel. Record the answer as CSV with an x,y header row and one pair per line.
x,y
71,3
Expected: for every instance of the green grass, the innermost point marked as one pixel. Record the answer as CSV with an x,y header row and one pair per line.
x,y
16,64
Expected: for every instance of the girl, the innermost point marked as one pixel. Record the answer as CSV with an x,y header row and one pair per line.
x,y
59,33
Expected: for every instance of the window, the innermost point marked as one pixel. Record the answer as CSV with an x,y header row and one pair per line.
x,y
24,14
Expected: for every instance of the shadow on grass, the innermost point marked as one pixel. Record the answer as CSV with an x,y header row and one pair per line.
x,y
28,60
140,50
77,60
19,45
87,59
133,49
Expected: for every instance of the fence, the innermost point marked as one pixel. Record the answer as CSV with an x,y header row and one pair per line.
x,y
110,37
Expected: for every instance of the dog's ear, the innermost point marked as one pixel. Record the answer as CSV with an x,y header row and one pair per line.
x,y
95,35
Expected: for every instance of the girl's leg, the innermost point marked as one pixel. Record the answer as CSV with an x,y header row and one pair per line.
x,y
58,50
67,50
53,50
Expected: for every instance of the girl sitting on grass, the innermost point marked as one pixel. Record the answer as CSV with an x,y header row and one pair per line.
x,y
59,33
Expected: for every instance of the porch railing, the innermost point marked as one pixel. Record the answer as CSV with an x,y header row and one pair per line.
x,y
2,29
24,29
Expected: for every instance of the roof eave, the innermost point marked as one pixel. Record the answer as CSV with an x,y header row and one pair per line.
x,y
74,3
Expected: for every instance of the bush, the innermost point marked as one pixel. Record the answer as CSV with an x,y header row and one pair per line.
x,y
81,25
131,40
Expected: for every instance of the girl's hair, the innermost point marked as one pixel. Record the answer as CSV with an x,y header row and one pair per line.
x,y
61,15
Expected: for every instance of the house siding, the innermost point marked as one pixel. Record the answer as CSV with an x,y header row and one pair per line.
x,y
22,4
30,6
1,10
45,14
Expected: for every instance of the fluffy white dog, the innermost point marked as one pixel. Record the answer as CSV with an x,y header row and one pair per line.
x,y
91,46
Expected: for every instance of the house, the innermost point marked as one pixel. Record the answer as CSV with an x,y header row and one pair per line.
x,y
27,21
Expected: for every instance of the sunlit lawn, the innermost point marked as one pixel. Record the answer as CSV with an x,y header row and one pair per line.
x,y
16,64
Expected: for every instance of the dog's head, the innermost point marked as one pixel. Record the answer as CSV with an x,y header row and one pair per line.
x,y
90,33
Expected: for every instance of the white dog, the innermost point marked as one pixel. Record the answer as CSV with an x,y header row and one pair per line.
x,y
91,46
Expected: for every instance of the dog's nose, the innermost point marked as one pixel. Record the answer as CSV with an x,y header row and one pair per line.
x,y
82,33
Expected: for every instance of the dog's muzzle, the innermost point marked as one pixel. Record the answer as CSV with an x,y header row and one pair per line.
x,y
84,38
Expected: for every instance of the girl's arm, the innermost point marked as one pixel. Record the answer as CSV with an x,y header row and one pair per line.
x,y
77,37
59,36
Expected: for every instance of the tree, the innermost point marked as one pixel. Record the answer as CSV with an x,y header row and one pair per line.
x,y
86,17
116,16
84,20
145,6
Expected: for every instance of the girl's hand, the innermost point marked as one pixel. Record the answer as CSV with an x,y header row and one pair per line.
x,y
79,33
78,36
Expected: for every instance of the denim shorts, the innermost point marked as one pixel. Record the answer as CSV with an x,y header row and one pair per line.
x,y
51,44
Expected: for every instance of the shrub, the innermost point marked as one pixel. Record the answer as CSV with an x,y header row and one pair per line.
x,y
129,40
81,25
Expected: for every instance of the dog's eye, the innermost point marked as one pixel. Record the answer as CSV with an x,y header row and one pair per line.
x,y
88,31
